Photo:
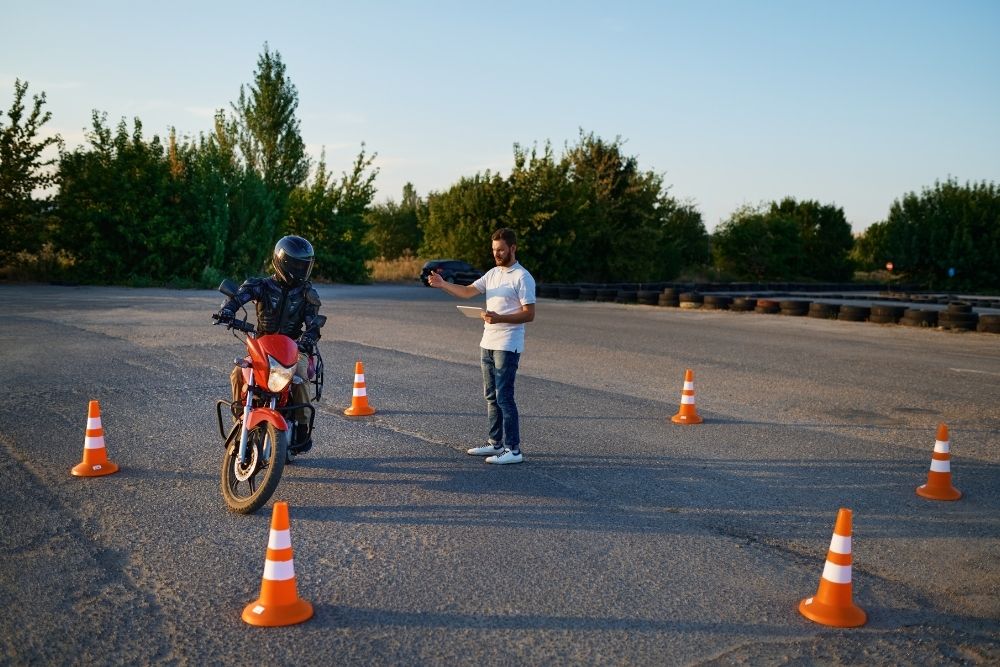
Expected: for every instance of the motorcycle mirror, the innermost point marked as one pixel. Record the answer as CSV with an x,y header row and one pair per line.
x,y
228,287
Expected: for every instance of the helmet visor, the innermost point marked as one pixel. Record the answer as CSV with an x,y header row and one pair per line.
x,y
295,270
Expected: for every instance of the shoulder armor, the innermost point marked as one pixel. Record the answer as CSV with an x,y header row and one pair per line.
x,y
312,296
251,282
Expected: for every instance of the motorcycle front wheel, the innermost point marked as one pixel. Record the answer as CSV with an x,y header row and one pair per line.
x,y
246,488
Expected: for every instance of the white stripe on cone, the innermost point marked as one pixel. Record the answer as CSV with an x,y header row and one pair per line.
x,y
359,378
837,574
360,391
279,570
279,539
840,544
93,422
940,466
689,385
94,442
689,400
941,446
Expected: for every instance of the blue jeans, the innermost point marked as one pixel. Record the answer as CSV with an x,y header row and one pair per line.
x,y
499,370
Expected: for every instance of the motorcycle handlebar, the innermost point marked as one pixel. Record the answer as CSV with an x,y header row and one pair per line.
x,y
239,325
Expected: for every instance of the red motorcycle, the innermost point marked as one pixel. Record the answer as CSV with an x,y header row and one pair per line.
x,y
263,426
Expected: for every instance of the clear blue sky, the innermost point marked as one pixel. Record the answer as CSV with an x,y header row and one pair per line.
x,y
848,103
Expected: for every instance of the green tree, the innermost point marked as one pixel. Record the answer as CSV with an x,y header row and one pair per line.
x,y
757,246
332,215
24,170
949,226
625,226
591,215
269,136
825,236
394,229
541,208
113,206
684,241
461,219
254,215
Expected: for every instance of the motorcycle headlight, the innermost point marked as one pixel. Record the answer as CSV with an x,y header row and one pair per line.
x,y
278,376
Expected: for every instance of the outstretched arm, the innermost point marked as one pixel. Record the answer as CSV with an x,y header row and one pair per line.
x,y
460,291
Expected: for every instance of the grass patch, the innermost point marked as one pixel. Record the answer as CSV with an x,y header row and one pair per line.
x,y
400,270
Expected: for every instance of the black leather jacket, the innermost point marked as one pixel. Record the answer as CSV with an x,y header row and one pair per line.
x,y
280,309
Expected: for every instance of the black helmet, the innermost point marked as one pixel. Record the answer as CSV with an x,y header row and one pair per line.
x,y
293,260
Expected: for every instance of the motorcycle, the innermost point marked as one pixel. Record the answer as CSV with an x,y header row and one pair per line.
x,y
257,444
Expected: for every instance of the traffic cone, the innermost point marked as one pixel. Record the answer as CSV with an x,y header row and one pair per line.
x,y
279,602
832,603
688,414
359,400
95,457
938,486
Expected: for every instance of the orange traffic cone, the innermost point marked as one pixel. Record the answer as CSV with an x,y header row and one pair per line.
x,y
95,457
688,414
279,602
359,400
832,603
938,486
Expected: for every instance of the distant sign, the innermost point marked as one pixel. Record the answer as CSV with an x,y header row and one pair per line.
x,y
951,272
888,266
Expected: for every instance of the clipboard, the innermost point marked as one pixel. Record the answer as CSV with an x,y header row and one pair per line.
x,y
474,312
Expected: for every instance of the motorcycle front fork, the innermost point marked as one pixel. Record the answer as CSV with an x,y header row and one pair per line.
x,y
245,434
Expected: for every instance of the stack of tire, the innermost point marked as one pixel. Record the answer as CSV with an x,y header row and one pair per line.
x,y
794,307
548,290
917,317
690,300
958,317
743,304
716,302
989,323
570,292
768,306
827,311
668,297
854,313
627,295
606,294
648,296
886,314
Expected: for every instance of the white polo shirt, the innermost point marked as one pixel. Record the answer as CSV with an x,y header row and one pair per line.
x,y
507,288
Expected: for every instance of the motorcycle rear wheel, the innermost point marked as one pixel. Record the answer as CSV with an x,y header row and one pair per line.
x,y
246,488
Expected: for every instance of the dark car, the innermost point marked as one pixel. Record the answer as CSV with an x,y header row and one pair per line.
x,y
452,270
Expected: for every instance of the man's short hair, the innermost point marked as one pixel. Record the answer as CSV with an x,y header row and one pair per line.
x,y
506,234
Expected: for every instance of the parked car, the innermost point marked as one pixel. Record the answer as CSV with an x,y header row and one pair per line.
x,y
452,270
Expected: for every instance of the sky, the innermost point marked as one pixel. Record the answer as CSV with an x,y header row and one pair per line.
x,y
735,103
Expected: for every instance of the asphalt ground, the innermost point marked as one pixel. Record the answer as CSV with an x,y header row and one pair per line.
x,y
622,538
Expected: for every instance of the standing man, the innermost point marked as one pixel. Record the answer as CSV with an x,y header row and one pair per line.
x,y
510,303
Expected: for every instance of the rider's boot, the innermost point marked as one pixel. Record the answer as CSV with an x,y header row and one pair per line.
x,y
303,440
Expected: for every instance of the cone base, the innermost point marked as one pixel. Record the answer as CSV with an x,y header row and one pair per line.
x,y
686,419
838,617
934,493
271,617
359,411
94,469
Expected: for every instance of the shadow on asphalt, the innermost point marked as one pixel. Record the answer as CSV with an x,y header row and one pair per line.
x,y
733,497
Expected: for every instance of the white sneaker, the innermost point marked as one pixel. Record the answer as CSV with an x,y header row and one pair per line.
x,y
507,457
485,450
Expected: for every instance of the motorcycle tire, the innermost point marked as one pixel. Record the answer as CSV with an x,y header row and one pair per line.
x,y
246,488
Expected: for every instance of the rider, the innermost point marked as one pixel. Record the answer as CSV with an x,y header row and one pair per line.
x,y
287,303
